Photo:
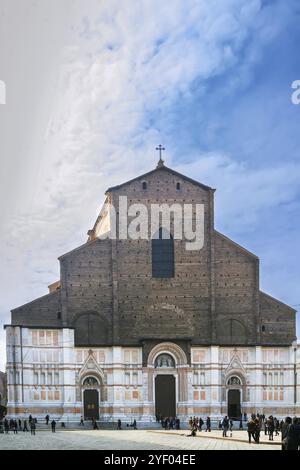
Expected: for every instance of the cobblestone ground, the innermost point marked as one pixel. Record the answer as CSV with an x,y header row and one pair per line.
x,y
123,440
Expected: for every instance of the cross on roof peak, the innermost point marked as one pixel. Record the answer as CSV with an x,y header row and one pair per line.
x,y
160,148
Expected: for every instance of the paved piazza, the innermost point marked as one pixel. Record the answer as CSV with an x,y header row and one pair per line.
x,y
126,440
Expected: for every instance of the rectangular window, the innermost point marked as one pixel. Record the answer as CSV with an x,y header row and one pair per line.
x,y
135,378
56,395
127,396
36,396
50,395
135,395
49,338
50,379
281,378
55,355
127,356
42,337
127,378
35,378
43,378
35,356
35,338
56,378
202,378
55,338
202,395
135,357
196,395
49,356
265,379
43,395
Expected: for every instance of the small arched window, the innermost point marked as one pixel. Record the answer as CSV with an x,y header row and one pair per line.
x,y
144,185
178,186
163,255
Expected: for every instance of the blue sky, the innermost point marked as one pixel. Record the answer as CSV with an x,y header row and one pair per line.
x,y
93,87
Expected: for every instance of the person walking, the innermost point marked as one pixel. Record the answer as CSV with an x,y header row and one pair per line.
x,y
225,426
6,426
271,428
284,432
32,427
208,424
53,425
25,428
81,421
15,427
47,418
119,425
293,435
251,426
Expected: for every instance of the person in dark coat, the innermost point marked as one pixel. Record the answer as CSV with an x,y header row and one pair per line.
x,y
25,428
284,432
251,425
225,426
15,427
53,425
293,435
32,427
6,426
119,425
208,424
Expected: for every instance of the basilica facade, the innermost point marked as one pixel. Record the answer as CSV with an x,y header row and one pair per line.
x,y
137,328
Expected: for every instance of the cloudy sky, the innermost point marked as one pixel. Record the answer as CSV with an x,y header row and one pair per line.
x,y
94,85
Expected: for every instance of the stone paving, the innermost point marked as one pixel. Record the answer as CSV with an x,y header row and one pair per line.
x,y
124,440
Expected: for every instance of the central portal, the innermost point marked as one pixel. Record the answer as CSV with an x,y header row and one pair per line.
x,y
91,404
165,396
234,404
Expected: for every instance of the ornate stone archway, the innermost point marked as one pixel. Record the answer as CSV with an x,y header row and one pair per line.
x,y
177,367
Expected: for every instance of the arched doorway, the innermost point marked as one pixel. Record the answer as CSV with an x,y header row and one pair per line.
x,y
165,386
91,400
234,397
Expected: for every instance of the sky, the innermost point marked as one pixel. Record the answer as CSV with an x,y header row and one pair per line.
x,y
93,86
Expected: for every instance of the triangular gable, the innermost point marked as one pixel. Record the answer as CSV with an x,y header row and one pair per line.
x,y
161,168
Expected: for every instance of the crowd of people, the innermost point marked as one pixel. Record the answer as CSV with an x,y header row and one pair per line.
x,y
289,429
25,425
168,422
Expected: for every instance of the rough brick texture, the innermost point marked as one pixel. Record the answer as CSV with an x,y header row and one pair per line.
x,y
109,296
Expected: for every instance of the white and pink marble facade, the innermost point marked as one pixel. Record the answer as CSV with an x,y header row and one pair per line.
x,y
46,373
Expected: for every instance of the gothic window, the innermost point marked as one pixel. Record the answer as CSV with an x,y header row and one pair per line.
x,y
178,186
234,381
164,360
163,255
